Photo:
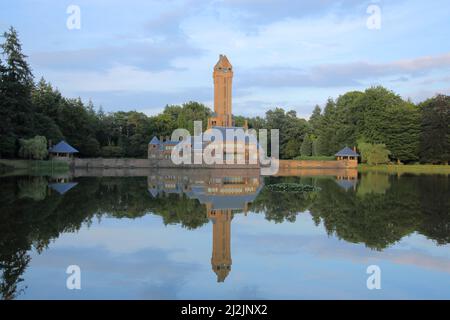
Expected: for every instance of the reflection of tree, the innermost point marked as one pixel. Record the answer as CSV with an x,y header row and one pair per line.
x,y
373,219
383,210
378,220
12,267
283,206
33,187
373,182
434,197
32,222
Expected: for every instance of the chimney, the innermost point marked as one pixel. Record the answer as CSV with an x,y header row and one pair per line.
x,y
161,139
167,138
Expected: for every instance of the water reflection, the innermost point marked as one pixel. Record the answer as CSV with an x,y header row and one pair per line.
x,y
223,193
374,209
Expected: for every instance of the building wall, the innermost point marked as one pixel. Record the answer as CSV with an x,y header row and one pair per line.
x,y
111,163
343,164
90,163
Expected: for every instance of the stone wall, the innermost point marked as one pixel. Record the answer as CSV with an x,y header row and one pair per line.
x,y
90,163
87,163
318,164
167,163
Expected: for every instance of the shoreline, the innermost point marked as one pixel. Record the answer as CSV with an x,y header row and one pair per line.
x,y
407,168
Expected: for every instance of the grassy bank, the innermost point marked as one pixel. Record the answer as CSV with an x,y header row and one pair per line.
x,y
41,167
415,168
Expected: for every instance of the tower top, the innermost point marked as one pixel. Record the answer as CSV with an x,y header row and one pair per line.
x,y
223,64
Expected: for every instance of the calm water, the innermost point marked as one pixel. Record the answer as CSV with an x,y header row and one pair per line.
x,y
224,235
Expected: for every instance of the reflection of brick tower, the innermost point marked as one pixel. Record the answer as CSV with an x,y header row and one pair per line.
x,y
223,76
221,252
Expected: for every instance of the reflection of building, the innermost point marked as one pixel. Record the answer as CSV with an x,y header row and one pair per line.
x,y
62,184
347,182
223,192
221,252
235,142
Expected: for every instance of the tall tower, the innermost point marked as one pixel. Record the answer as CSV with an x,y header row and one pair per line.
x,y
223,77
221,253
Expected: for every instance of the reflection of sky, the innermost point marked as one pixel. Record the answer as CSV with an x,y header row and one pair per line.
x,y
144,259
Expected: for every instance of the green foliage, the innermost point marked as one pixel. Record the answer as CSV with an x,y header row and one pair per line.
x,y
374,154
34,188
16,82
435,125
377,116
35,148
292,187
306,150
292,130
112,152
373,183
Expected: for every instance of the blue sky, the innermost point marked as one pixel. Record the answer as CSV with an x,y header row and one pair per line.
x,y
141,55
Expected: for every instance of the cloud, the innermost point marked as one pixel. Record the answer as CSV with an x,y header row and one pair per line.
x,y
151,273
343,74
318,245
263,11
148,54
148,102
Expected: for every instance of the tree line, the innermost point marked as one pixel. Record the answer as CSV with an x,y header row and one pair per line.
x,y
379,122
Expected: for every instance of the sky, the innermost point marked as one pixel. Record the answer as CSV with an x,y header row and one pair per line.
x,y
144,54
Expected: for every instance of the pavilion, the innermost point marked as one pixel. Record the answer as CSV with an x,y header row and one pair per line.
x,y
62,150
347,154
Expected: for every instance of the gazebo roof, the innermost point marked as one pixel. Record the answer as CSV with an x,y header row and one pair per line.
x,y
154,140
347,152
63,147
62,188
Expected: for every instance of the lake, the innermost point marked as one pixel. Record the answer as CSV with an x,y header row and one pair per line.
x,y
217,234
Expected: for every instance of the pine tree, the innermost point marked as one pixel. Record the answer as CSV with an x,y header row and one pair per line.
x,y
15,87
306,148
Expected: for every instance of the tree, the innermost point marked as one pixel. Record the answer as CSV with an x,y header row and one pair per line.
x,y
315,119
325,141
35,148
378,155
292,129
16,81
435,127
306,148
364,150
384,118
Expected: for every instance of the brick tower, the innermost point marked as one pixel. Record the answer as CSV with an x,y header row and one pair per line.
x,y
223,77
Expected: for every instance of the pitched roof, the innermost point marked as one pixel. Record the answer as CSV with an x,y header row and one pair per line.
x,y
347,152
154,140
223,62
63,147
62,188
